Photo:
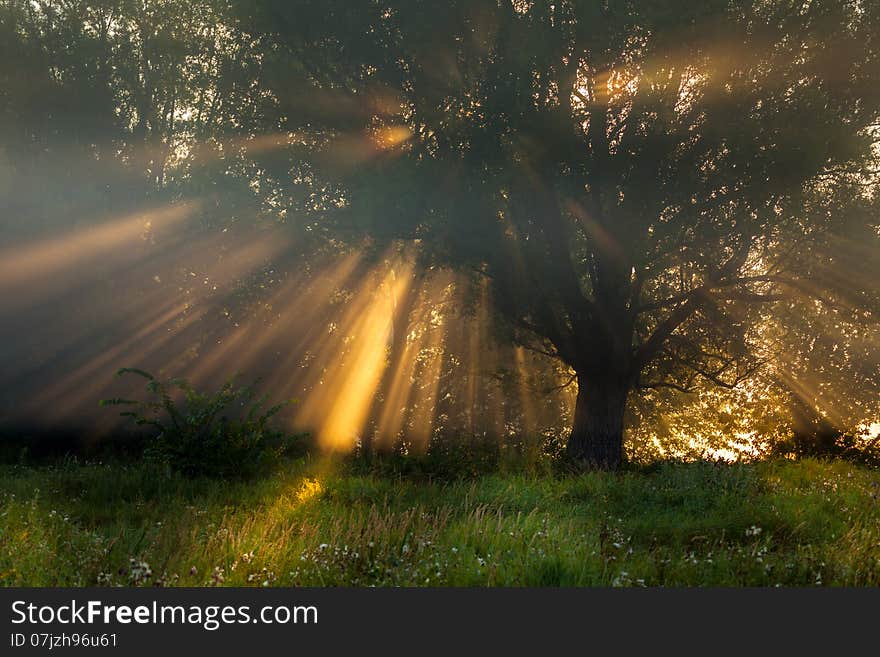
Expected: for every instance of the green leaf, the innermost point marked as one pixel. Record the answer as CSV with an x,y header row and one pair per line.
x,y
117,401
134,370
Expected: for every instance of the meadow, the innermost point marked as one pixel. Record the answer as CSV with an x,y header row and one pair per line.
x,y
313,522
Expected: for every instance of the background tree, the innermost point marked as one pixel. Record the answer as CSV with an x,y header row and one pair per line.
x,y
630,177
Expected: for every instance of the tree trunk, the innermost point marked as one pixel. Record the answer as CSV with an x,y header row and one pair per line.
x,y
596,439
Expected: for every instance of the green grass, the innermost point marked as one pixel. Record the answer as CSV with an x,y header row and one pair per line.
x,y
764,524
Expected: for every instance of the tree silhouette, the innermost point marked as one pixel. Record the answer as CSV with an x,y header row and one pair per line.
x,y
632,178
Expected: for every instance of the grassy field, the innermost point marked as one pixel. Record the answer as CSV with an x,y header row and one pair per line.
x,y
774,523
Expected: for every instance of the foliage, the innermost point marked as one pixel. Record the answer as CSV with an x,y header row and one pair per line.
x,y
827,441
663,197
806,523
636,181
225,433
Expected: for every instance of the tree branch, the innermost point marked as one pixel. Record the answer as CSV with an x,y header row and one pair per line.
x,y
675,319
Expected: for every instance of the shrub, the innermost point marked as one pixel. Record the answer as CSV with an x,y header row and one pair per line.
x,y
225,433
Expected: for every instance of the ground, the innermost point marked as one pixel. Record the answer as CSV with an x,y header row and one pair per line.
x,y
770,523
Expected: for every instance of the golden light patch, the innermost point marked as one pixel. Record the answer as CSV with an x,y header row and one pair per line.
x,y
387,138
353,359
309,489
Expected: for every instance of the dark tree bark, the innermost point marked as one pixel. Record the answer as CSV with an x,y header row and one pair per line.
x,y
596,439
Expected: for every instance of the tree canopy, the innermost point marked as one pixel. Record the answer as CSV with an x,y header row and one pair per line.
x,y
632,178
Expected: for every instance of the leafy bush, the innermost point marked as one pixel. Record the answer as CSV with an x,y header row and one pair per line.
x,y
225,433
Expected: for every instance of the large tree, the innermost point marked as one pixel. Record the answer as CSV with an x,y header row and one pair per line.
x,y
630,176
